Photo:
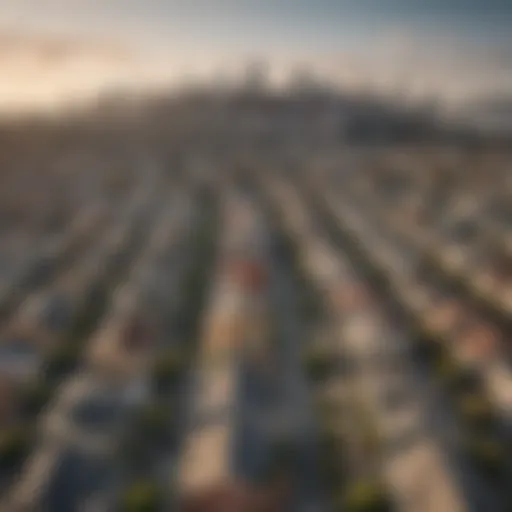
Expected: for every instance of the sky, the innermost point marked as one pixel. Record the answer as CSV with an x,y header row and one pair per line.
x,y
55,49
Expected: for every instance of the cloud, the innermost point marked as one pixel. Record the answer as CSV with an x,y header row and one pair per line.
x,y
38,68
55,49
42,69
422,66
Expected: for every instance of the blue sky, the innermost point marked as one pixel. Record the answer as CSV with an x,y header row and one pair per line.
x,y
451,47
264,25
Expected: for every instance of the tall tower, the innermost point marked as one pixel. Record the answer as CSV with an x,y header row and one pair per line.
x,y
257,76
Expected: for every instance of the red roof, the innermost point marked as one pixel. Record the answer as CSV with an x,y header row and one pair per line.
x,y
250,274
236,499
136,333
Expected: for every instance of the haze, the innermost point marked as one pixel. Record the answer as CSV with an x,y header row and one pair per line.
x,y
53,51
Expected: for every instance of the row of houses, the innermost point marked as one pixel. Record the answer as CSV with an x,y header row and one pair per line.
x,y
82,293
382,387
227,445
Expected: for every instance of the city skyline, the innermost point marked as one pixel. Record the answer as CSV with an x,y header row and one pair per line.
x,y
454,51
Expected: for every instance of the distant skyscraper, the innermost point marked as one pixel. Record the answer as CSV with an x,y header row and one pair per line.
x,y
257,76
302,79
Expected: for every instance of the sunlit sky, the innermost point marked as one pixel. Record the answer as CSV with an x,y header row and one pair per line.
x,y
51,49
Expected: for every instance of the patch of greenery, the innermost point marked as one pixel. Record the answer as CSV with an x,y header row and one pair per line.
x,y
364,496
318,364
14,445
61,360
488,454
475,409
142,496
34,396
167,370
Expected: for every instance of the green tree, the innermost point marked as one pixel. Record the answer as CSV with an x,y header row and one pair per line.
x,y
155,421
475,409
34,396
318,364
488,454
14,444
331,455
61,360
167,370
142,496
364,497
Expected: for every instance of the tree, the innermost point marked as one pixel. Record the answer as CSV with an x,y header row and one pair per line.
x,y
167,370
318,364
34,396
154,421
309,302
488,454
142,496
283,455
447,370
61,360
14,443
331,453
364,496
475,409
329,411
